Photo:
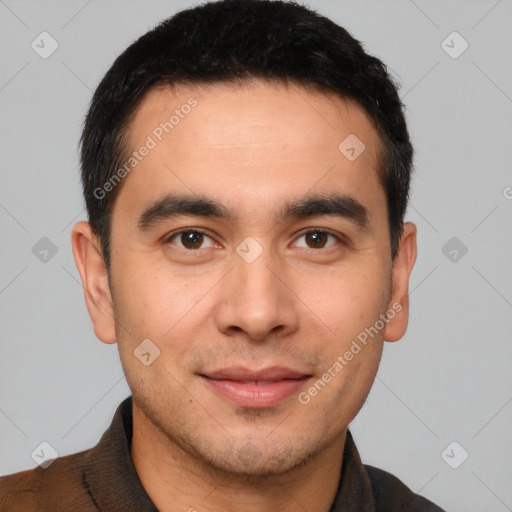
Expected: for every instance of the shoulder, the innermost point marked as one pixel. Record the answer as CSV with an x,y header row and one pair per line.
x,y
39,489
390,493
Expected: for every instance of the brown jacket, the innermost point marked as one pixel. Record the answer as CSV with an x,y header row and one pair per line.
x,y
104,479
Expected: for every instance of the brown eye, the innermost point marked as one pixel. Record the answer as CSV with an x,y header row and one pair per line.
x,y
318,239
189,239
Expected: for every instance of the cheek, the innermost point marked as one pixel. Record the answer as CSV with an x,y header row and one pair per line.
x,y
350,299
156,303
143,307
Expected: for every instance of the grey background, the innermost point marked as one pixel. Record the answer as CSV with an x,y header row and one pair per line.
x,y
448,380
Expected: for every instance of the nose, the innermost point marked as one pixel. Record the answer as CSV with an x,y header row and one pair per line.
x,y
257,300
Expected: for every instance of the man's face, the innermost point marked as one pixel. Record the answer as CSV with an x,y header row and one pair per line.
x,y
253,295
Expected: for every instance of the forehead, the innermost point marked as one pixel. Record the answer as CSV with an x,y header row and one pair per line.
x,y
261,108
253,139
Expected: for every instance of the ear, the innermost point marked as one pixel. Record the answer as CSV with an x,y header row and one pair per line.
x,y
91,266
402,268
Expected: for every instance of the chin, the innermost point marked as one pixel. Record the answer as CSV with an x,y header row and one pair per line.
x,y
256,460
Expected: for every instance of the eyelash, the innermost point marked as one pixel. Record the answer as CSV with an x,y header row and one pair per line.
x,y
338,236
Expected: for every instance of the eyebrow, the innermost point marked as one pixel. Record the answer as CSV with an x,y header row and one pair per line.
x,y
329,204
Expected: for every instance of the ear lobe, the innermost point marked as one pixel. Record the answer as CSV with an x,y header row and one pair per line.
x,y
402,268
91,266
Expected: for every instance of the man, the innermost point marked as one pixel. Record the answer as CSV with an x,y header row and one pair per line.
x,y
246,171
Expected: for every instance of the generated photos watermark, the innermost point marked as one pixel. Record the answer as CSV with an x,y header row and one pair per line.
x,y
342,360
152,140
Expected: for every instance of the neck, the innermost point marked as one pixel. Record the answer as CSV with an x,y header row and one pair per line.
x,y
176,481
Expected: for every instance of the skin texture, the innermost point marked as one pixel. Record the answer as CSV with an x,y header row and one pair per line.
x,y
298,305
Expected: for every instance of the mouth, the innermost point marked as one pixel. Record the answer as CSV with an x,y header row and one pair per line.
x,y
255,389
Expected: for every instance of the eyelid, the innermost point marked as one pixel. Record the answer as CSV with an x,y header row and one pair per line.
x,y
168,238
339,236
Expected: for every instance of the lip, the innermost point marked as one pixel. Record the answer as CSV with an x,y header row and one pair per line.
x,y
255,389
242,374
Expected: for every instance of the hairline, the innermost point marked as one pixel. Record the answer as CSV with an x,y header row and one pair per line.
x,y
122,138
